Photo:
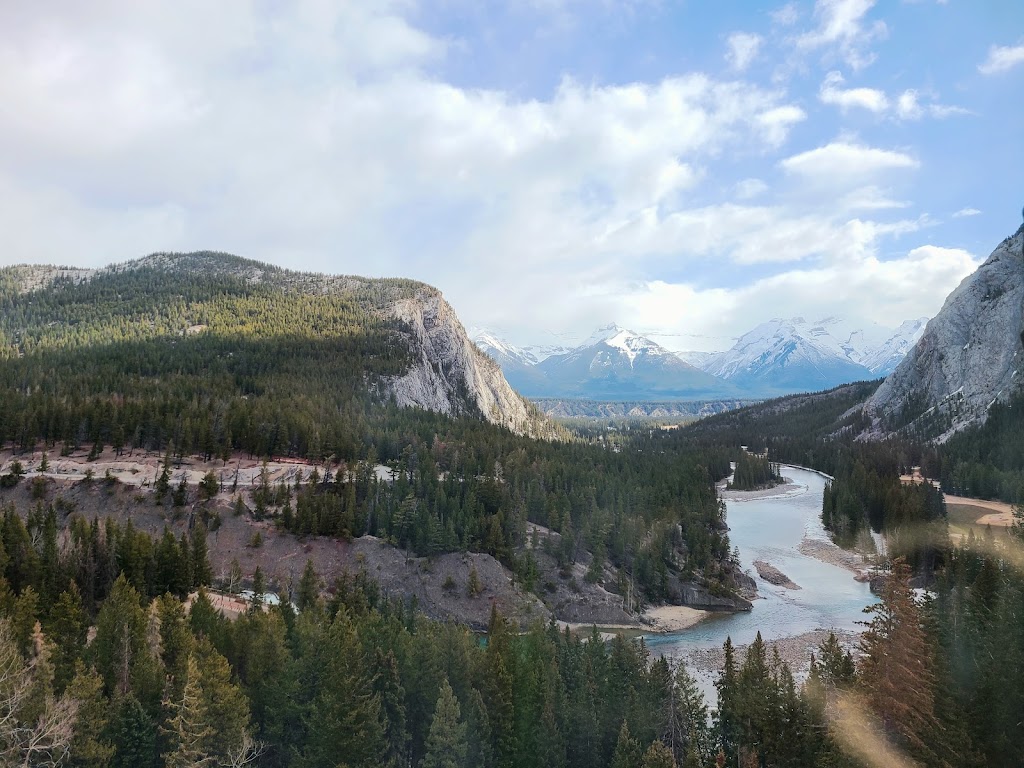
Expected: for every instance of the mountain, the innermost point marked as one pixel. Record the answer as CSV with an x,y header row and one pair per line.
x,y
788,356
301,350
969,356
613,364
796,355
884,359
518,364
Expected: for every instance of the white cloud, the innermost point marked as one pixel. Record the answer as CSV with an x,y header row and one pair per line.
x,y
1002,58
319,136
786,16
842,27
750,188
861,288
965,212
870,99
776,123
315,135
841,163
743,48
907,107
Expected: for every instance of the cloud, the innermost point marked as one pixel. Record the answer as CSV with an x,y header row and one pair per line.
x,y
842,27
870,99
1002,58
786,16
321,136
743,48
840,163
749,188
907,107
965,212
862,288
325,136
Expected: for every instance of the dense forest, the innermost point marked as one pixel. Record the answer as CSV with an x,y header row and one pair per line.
x,y
213,356
986,460
102,663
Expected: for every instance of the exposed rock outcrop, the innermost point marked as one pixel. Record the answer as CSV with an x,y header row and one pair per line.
x,y
969,357
449,373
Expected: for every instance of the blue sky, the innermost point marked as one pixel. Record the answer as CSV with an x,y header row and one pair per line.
x,y
688,169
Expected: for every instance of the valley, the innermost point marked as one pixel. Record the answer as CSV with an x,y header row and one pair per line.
x,y
219,423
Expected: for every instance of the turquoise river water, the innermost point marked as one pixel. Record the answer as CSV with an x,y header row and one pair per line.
x,y
771,529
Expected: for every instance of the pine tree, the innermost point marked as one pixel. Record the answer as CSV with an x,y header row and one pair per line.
x,y
658,756
446,742
628,753
202,572
188,728
90,747
727,714
309,588
896,670
67,627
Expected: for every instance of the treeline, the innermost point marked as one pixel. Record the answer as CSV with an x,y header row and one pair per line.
x,y
754,472
52,547
984,461
867,493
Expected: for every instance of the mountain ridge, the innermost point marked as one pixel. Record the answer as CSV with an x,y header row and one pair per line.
x,y
781,356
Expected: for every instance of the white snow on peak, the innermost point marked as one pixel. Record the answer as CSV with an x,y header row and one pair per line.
x,y
873,346
629,343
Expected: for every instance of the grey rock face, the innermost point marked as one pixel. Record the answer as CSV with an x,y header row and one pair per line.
x,y
970,355
449,371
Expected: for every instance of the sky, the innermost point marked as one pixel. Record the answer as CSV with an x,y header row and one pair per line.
x,y
685,169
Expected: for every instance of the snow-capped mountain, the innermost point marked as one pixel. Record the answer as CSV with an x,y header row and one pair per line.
x,y
884,359
787,355
613,363
777,357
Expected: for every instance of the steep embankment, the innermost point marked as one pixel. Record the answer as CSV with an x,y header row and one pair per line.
x,y
969,356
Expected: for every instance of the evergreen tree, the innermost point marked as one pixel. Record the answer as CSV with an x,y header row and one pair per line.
x,y
446,743
188,728
67,627
309,588
628,753
90,747
896,670
658,756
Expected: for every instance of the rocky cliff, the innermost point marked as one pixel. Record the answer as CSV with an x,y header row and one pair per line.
x,y
449,373
969,357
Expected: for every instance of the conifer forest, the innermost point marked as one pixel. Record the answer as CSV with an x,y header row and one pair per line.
x,y
113,651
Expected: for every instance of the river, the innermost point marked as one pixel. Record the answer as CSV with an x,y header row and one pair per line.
x,y
771,529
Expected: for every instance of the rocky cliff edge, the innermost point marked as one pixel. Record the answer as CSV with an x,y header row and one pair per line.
x,y
969,357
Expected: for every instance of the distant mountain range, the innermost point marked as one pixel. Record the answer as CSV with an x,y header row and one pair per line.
x,y
777,357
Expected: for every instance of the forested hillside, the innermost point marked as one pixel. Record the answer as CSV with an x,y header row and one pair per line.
x,y
986,460
209,355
